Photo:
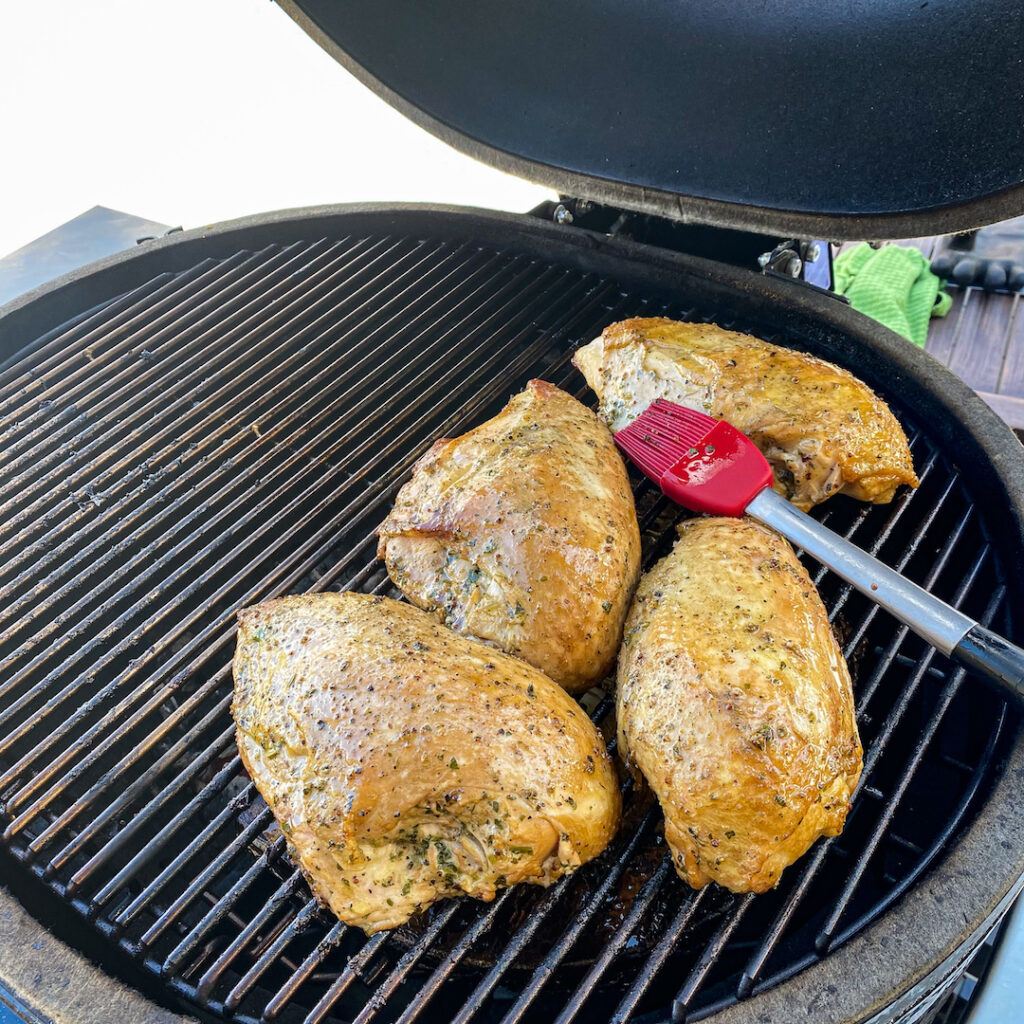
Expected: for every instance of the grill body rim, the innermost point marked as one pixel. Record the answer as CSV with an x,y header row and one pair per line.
x,y
982,871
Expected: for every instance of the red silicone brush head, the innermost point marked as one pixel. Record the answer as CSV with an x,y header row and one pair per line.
x,y
702,463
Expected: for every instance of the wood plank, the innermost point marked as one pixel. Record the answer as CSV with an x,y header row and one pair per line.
x,y
943,332
1011,382
1010,407
981,345
927,245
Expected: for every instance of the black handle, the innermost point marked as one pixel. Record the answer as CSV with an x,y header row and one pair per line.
x,y
988,654
993,273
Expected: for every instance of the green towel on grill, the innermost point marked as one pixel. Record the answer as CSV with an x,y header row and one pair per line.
x,y
894,286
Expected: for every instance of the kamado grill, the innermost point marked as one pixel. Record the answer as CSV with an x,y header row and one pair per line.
x,y
225,415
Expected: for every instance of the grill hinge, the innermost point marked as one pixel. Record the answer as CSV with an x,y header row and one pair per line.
x,y
806,263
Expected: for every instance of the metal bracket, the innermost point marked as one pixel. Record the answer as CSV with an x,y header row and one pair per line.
x,y
789,258
802,262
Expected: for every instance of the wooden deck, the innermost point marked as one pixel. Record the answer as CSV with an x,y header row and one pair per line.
x,y
981,340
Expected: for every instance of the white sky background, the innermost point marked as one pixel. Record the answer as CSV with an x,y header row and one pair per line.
x,y
199,111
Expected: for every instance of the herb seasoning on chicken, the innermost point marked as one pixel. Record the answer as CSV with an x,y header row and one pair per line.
x,y
735,704
824,431
405,763
523,533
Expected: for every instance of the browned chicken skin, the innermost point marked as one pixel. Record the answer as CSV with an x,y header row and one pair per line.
x,y
405,763
735,704
824,431
523,533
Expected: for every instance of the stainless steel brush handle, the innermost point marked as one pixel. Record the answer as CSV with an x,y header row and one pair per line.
x,y
951,632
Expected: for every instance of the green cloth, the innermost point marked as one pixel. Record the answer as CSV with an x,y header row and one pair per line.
x,y
894,286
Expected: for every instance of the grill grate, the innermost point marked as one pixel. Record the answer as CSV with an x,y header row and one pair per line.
x,y
238,430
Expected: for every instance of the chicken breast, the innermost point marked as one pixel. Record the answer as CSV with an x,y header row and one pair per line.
x,y
405,763
523,534
734,702
823,431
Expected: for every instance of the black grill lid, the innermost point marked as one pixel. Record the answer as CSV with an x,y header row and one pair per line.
x,y
885,118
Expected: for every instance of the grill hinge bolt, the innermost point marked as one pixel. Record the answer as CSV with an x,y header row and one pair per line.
x,y
563,215
784,259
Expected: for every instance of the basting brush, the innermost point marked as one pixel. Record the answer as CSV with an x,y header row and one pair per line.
x,y
707,465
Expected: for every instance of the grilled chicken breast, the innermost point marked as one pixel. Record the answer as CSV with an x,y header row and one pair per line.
x,y
734,702
824,431
523,534
405,763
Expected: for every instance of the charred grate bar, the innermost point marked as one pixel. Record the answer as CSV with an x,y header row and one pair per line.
x,y
237,430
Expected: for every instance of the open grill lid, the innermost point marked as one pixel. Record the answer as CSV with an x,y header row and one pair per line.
x,y
891,118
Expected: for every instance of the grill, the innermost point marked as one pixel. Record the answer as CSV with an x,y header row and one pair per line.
x,y
232,422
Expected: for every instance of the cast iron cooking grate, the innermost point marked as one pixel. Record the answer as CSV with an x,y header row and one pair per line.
x,y
238,430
